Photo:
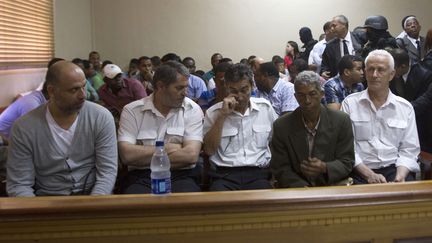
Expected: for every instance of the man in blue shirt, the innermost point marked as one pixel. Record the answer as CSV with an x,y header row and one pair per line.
x,y
348,81
278,91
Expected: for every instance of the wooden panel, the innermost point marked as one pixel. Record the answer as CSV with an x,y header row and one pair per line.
x,y
370,213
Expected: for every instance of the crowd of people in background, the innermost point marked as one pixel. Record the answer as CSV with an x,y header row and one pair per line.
x,y
350,108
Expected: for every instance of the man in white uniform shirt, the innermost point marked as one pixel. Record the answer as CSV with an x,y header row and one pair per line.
x,y
385,133
237,134
166,115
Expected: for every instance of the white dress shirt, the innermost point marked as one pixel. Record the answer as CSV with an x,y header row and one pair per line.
x,y
315,56
245,138
349,43
385,136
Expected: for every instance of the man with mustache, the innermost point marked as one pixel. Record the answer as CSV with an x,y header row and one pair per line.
x,y
237,134
166,115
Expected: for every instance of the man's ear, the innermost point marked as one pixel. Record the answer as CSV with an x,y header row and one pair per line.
x,y
346,72
159,85
50,90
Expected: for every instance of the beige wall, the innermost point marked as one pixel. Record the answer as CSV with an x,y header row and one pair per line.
x,y
72,37
72,28
120,30
236,28
14,82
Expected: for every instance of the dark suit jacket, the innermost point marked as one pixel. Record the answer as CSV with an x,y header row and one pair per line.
x,y
418,80
332,55
423,107
412,51
334,145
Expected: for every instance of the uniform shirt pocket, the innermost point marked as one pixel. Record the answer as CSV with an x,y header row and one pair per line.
x,y
175,135
396,129
146,137
229,140
362,128
261,135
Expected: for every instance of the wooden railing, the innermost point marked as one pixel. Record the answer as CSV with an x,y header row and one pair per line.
x,y
370,213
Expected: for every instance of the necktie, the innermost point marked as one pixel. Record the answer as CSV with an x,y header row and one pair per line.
x,y
418,48
345,47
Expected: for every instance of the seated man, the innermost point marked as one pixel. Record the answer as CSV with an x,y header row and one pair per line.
x,y
166,115
411,80
217,94
145,73
22,106
386,141
91,93
19,108
348,81
278,91
118,91
237,132
195,86
65,147
313,146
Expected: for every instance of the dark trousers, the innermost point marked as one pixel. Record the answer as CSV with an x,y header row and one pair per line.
x,y
139,182
388,172
239,178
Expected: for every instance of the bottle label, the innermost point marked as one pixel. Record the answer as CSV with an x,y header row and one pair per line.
x,y
161,186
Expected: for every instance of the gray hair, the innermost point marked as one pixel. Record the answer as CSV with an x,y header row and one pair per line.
x,y
381,53
167,73
308,78
342,19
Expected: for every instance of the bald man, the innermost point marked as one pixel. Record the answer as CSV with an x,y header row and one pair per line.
x,y
65,147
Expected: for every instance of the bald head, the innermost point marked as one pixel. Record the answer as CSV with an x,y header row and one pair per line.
x,y
255,64
60,69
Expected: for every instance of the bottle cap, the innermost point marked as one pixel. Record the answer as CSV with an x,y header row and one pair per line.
x,y
159,143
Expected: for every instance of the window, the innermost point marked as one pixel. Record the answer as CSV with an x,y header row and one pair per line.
x,y
26,33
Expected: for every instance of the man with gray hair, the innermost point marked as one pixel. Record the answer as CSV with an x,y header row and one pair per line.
x,y
312,146
385,132
344,43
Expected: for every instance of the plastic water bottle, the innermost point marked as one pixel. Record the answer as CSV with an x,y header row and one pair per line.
x,y
160,170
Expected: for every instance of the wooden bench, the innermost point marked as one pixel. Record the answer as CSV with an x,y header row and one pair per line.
x,y
369,213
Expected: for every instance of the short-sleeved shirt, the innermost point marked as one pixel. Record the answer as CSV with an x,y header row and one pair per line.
x,y
19,108
335,90
195,87
132,90
281,97
245,137
141,123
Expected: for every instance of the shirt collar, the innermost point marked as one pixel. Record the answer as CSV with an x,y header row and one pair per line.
x,y
391,98
253,105
277,85
149,105
348,38
412,39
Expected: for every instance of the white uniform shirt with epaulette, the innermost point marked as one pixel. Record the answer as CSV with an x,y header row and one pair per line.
x,y
245,137
141,123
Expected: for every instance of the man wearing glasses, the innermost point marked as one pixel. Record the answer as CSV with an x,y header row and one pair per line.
x,y
312,146
237,134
